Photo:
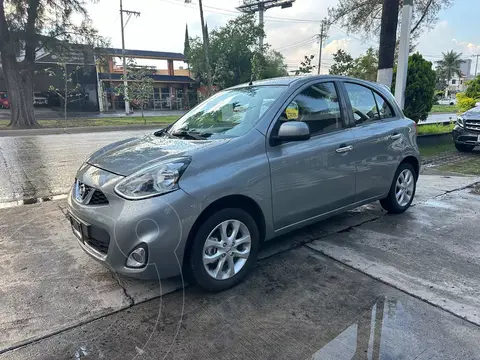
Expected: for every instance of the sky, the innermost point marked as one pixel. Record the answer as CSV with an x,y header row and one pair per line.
x,y
161,27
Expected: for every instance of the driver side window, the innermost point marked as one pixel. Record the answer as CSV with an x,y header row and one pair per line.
x,y
318,107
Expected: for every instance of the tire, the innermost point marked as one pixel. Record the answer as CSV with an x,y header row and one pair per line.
x,y
391,203
235,252
464,148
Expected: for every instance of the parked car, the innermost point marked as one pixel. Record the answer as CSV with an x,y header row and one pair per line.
x,y
466,133
245,166
447,102
4,103
39,99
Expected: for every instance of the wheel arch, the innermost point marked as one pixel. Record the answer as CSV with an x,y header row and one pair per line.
x,y
231,201
412,160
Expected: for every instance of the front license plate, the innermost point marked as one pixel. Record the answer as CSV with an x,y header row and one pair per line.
x,y
76,227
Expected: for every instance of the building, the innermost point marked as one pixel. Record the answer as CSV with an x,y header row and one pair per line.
x,y
172,88
458,83
93,76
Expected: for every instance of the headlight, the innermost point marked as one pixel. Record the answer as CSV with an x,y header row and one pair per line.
x,y
154,180
460,121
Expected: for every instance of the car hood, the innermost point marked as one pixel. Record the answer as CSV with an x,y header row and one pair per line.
x,y
130,155
472,115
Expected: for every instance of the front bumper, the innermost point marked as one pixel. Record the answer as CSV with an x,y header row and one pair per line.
x,y
466,137
113,230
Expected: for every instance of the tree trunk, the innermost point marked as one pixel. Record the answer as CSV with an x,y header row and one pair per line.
x,y
388,40
19,83
143,116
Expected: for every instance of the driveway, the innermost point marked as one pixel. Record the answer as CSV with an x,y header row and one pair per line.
x,y
360,285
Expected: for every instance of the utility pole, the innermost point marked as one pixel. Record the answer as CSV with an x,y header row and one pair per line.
x,y
388,39
205,50
476,64
260,6
125,81
322,35
404,50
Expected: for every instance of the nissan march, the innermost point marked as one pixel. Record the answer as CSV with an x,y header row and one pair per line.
x,y
250,163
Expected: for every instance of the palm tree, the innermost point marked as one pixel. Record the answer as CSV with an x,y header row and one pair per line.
x,y
449,66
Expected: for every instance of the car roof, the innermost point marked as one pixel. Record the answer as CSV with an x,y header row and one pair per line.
x,y
299,80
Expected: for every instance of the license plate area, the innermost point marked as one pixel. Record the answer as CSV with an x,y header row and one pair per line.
x,y
79,228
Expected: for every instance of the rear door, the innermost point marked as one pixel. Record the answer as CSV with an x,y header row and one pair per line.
x,y
379,139
312,177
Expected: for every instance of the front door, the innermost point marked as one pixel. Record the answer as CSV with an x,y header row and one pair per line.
x,y
313,177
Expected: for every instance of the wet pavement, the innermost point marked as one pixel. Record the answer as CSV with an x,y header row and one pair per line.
x,y
34,167
362,285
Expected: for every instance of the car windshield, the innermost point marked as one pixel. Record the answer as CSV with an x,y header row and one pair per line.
x,y
230,113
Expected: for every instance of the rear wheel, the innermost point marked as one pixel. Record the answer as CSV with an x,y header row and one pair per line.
x,y
464,148
224,250
402,190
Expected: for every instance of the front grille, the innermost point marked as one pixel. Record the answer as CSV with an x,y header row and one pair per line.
x,y
473,125
88,195
98,245
98,198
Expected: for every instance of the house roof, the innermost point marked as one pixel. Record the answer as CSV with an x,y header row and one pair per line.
x,y
158,78
145,54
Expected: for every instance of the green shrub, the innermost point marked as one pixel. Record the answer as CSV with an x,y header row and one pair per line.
x,y
473,88
465,102
420,89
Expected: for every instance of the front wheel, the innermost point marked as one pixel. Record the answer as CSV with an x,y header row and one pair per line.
x,y
464,148
224,249
402,190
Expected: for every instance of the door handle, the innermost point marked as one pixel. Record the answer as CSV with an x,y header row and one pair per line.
x,y
344,149
395,136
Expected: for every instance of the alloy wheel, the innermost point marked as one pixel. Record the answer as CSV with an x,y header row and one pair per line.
x,y
404,187
226,249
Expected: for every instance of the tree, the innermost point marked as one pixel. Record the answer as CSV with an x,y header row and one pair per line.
x,y
306,66
342,63
365,66
25,28
140,85
186,44
268,64
372,17
69,92
364,16
388,41
233,47
421,79
449,66
473,89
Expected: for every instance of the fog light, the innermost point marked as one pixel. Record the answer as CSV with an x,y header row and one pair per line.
x,y
137,258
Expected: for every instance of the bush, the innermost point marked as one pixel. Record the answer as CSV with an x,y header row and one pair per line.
x,y
473,88
420,89
465,102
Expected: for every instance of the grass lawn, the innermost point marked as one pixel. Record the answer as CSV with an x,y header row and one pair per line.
x,y
434,128
470,166
432,150
443,109
114,121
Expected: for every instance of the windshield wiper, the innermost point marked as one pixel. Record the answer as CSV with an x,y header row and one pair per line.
x,y
191,135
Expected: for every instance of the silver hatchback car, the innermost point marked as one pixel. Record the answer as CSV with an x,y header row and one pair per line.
x,y
251,163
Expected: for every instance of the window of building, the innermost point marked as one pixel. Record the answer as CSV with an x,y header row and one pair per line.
x,y
363,103
454,81
318,107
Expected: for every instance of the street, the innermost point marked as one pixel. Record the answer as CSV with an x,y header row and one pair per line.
x,y
362,285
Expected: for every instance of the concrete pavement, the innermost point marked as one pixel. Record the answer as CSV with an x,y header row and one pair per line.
x,y
297,304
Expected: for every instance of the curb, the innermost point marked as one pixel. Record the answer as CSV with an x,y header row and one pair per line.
x,y
78,130
434,139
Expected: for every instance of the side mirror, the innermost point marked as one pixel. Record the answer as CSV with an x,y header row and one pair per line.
x,y
293,131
